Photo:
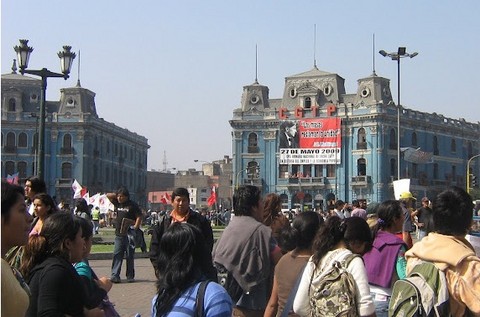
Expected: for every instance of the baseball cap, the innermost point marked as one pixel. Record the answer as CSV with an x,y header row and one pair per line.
x,y
407,195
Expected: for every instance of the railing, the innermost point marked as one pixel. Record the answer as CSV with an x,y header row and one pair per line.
x,y
66,150
64,182
10,149
361,145
361,180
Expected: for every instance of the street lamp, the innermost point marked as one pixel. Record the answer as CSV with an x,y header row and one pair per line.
x,y
468,172
66,58
396,56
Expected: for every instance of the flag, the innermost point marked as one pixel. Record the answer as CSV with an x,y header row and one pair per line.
x,y
77,189
416,156
12,179
213,197
166,199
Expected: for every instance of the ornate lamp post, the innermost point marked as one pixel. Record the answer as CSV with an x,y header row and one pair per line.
x,y
396,56
66,58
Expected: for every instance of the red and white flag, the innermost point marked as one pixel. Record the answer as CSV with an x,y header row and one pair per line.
x,y
166,199
12,179
213,197
77,189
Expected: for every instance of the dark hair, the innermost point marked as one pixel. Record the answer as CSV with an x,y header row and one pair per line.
x,y
37,185
182,261
182,192
86,225
452,212
81,206
245,198
287,124
353,229
50,242
48,201
271,208
302,232
122,190
10,196
339,203
387,212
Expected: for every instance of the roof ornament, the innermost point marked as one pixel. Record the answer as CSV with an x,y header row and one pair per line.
x,y
14,66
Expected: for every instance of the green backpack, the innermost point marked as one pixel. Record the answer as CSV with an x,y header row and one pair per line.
x,y
336,293
423,292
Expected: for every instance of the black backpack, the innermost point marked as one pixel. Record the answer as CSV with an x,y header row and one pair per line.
x,y
226,279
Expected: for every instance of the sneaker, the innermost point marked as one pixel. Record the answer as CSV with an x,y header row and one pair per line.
x,y
130,280
115,279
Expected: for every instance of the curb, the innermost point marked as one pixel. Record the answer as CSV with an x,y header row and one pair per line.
x,y
109,256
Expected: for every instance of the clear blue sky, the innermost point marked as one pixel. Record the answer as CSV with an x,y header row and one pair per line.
x,y
173,71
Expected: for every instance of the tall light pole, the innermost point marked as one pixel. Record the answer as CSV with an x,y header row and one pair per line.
x,y
397,56
468,172
66,58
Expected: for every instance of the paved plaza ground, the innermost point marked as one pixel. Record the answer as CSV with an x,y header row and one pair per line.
x,y
130,298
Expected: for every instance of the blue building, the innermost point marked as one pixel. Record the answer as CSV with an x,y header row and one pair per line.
x,y
79,145
347,145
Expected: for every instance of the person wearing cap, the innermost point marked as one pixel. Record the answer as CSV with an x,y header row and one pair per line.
x,y
407,201
423,215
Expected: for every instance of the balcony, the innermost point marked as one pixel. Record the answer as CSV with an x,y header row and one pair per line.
x,y
307,182
10,149
361,181
253,149
63,182
361,145
252,181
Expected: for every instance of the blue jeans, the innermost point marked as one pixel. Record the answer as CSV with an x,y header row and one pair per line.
x,y
124,244
381,306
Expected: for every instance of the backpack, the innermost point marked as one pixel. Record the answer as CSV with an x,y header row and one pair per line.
x,y
423,292
336,293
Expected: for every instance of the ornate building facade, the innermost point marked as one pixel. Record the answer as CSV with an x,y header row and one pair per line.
x,y
78,144
344,145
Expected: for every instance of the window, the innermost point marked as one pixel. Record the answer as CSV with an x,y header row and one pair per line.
x,y
435,145
22,140
435,170
392,145
67,141
35,140
252,143
414,170
12,105
362,139
414,139
308,103
393,167
454,172
22,169
331,169
469,149
108,147
283,171
10,139
318,171
67,170
453,146
361,167
253,169
9,168
107,175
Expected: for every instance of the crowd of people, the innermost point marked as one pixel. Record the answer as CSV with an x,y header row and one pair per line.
x,y
263,264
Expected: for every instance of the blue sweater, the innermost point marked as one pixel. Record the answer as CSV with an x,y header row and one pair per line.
x,y
217,302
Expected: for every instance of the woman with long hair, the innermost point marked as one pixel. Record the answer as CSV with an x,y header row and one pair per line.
x,y
15,227
298,238
336,240
182,263
273,217
55,286
44,206
386,263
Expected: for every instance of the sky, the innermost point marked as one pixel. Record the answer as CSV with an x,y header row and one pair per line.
x,y
174,71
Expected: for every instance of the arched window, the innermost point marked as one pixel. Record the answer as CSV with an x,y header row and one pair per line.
x,y
9,168
453,146
392,144
414,139
10,139
362,139
253,170
308,103
12,107
414,170
469,149
393,167
435,145
22,169
252,143
67,141
22,140
361,167
67,170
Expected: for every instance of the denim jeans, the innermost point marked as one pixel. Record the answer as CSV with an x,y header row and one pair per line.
x,y
381,304
124,244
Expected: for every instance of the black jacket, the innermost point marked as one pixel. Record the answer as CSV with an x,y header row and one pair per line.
x,y
194,218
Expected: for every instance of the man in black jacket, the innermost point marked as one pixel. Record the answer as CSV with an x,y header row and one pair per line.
x,y
181,213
